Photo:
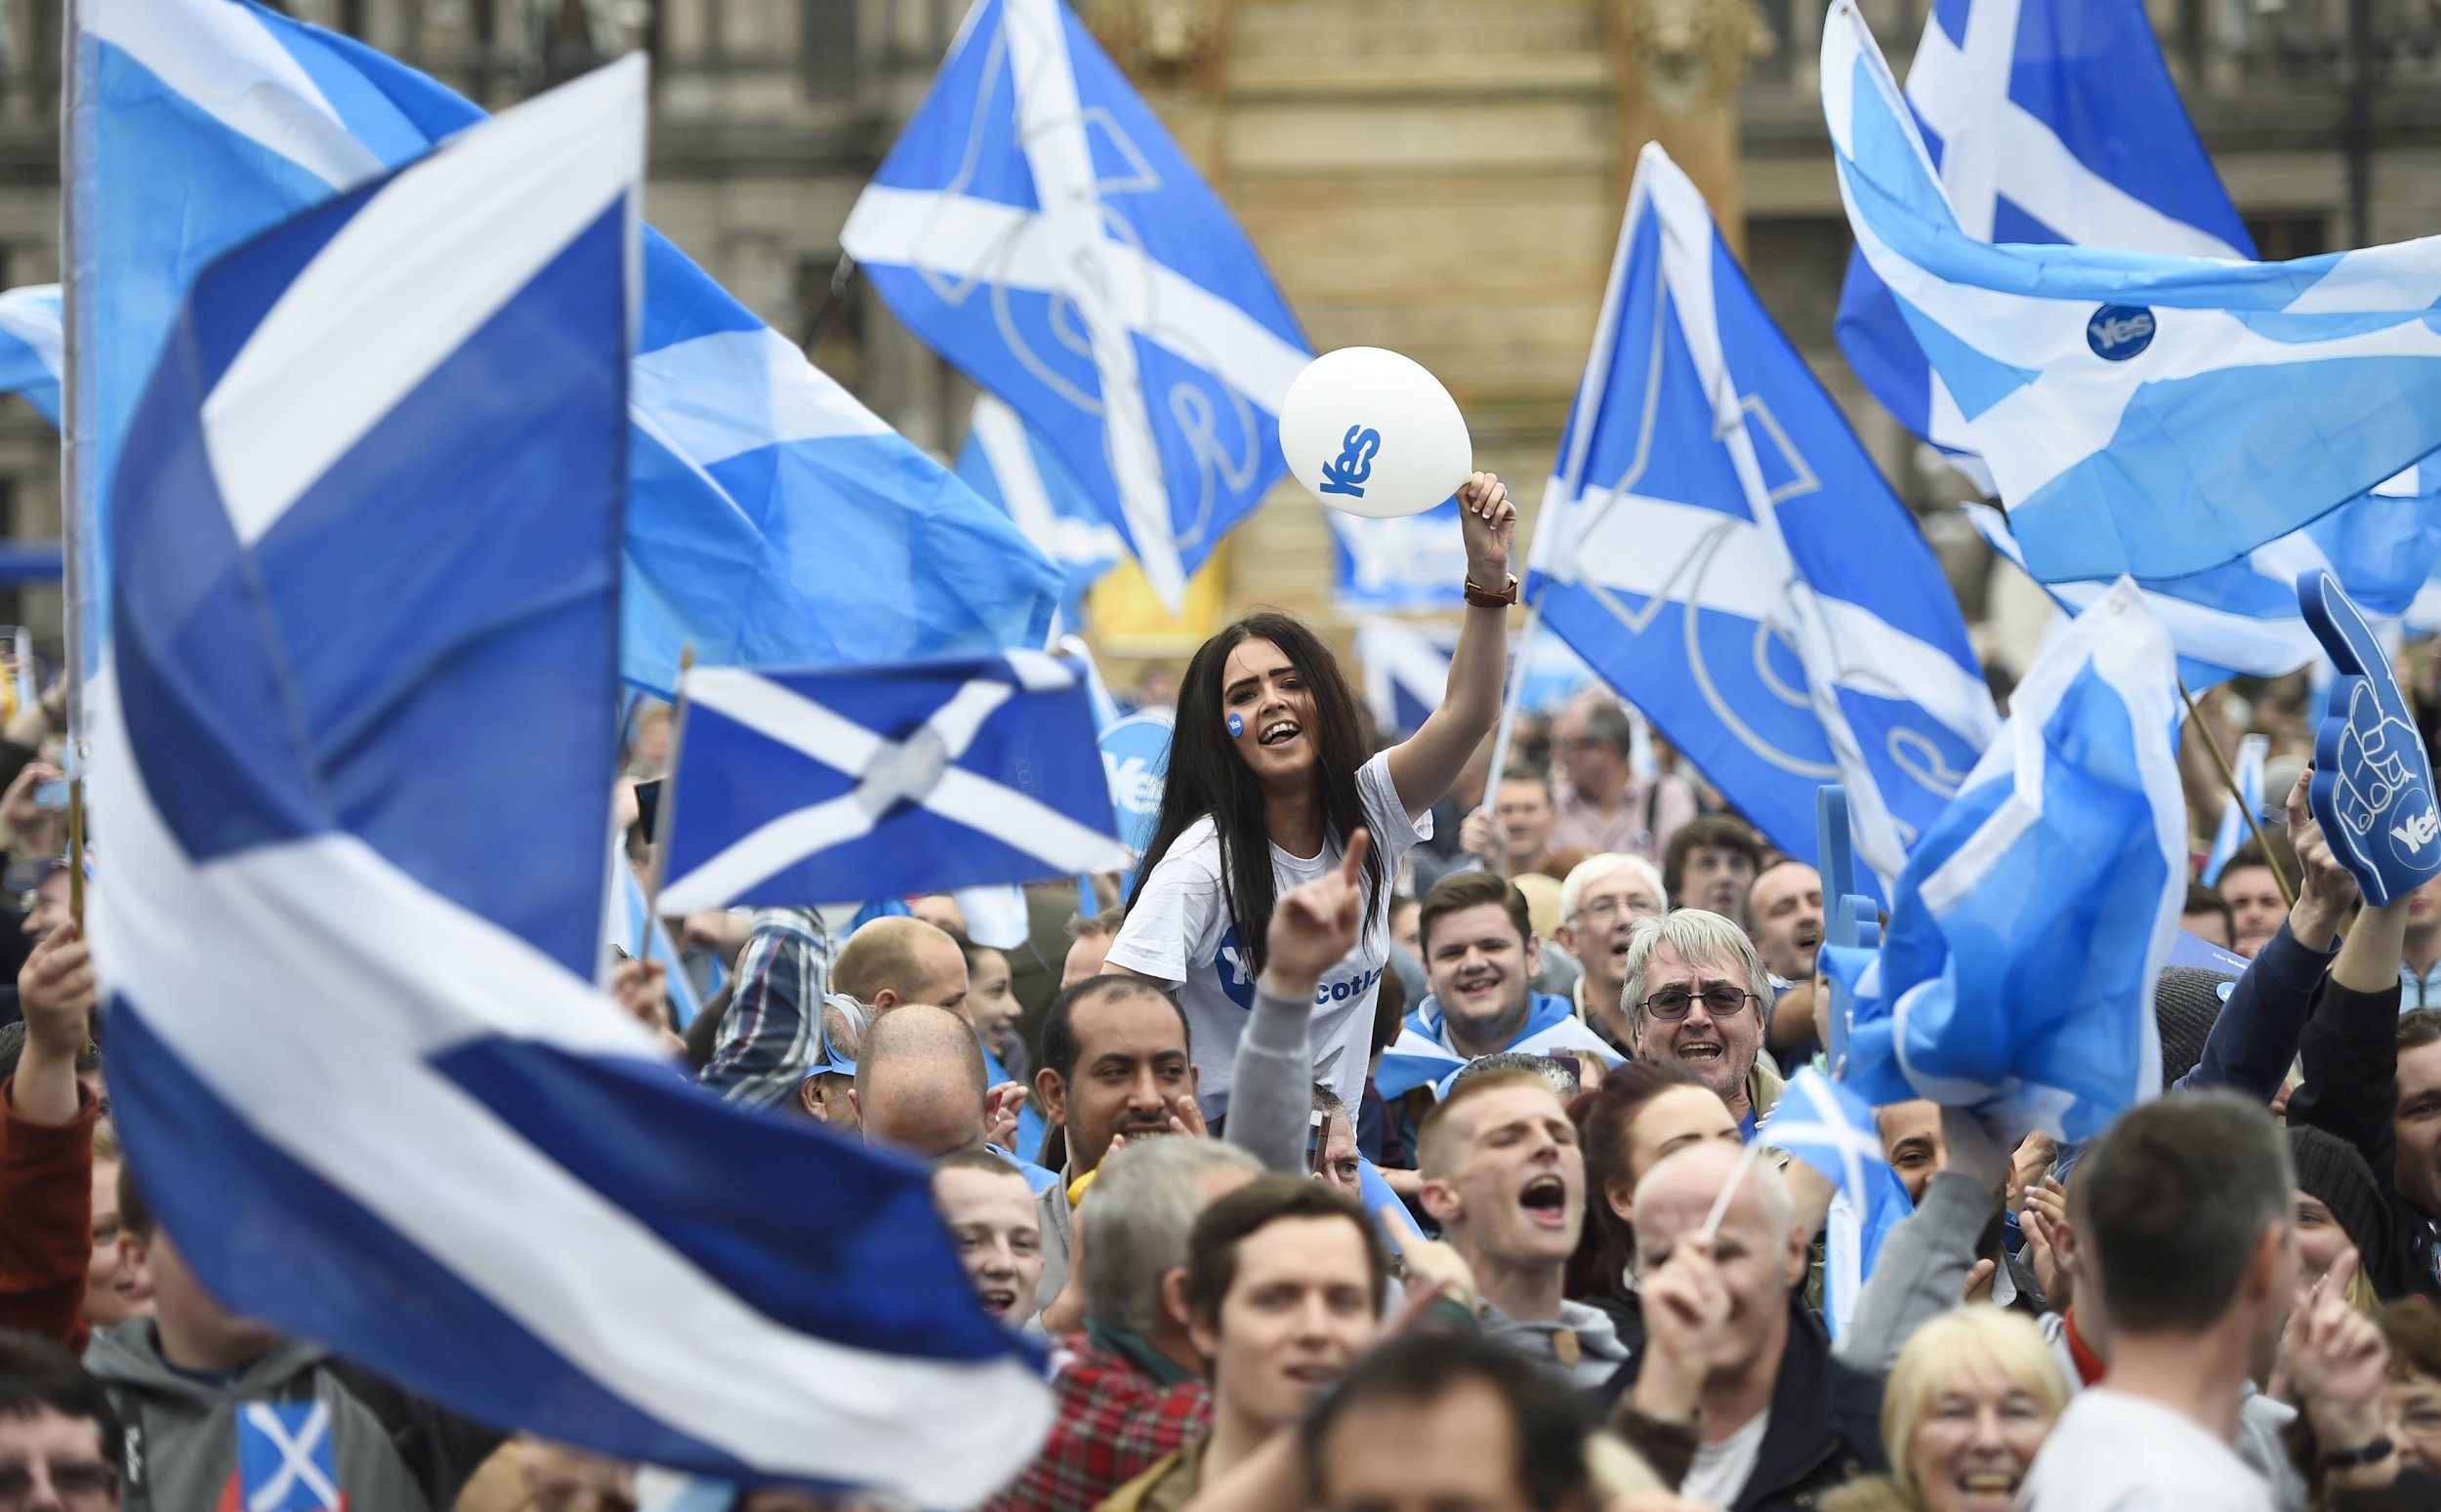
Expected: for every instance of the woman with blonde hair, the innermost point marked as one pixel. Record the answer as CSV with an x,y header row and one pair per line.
x,y
1971,1399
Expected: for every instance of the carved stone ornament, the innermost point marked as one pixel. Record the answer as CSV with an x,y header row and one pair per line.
x,y
1155,37
1683,53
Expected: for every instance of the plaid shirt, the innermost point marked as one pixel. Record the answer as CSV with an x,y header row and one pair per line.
x,y
774,1021
1115,1422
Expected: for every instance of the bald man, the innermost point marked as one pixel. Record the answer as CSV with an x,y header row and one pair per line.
x,y
1730,1361
895,961
921,1087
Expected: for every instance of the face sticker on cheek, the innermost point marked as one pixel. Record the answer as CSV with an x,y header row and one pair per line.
x,y
1237,727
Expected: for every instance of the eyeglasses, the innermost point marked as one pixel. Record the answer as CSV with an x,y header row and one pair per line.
x,y
87,1480
1609,909
1671,1004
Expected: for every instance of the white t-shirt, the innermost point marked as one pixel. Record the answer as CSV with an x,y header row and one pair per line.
x,y
1722,1470
1179,931
2114,1453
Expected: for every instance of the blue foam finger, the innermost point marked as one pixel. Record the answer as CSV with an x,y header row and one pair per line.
x,y
2372,791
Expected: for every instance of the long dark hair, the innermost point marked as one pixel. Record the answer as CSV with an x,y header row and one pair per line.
x,y
1207,776
1603,1119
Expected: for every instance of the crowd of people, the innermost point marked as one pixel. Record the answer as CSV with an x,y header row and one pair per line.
x,y
1558,1269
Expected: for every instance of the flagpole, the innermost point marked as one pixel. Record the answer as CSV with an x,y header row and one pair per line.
x,y
1515,696
834,298
2288,894
73,548
660,837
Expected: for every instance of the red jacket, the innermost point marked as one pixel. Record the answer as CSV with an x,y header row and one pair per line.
x,y
1115,1422
46,1220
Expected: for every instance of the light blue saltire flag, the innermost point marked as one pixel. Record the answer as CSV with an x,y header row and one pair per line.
x,y
357,1054
2052,121
1036,226
818,785
1827,1127
755,481
285,1461
1717,544
1006,463
1421,1056
2150,413
2025,936
626,926
1406,674
29,347
2248,768
1412,564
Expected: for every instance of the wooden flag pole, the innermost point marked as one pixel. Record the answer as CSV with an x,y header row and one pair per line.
x,y
2229,779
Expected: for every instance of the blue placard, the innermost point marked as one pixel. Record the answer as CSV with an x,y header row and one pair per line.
x,y
1136,754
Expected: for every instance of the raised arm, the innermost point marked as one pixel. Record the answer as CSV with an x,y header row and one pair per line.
x,y
1429,760
1271,1086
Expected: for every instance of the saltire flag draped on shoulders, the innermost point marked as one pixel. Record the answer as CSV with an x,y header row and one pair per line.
x,y
356,1054
1719,545
2058,121
753,475
1036,226
1009,465
2157,414
2025,936
31,346
1827,1127
821,784
1421,1056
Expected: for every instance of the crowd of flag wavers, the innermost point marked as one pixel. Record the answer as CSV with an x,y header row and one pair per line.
x,y
1789,1067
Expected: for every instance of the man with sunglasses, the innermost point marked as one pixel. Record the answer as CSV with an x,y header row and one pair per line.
x,y
1694,993
60,1442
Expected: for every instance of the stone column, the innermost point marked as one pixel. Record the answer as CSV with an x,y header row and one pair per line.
x,y
1675,68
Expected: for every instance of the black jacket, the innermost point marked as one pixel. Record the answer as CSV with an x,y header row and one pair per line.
x,y
2350,1051
1826,1425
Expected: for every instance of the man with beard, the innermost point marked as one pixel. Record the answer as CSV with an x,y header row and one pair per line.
x,y
1479,957
1784,919
1504,1180
1601,899
1694,993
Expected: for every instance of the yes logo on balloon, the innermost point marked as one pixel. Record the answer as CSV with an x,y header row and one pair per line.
x,y
1347,472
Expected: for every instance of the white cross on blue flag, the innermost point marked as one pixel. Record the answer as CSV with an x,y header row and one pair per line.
x,y
1827,1127
2016,977
1718,545
2157,414
355,1050
1036,226
1008,463
753,474
825,784
29,347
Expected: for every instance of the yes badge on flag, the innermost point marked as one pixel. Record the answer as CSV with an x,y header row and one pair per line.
x,y
1717,543
825,784
1036,226
2372,791
2025,936
357,1049
1827,1127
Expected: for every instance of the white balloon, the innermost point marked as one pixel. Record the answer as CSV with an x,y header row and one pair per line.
x,y
1370,432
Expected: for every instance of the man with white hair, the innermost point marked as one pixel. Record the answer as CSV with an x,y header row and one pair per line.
x,y
1695,992
1601,897
1734,1382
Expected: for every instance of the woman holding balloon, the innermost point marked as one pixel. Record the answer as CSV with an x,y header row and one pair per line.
x,y
1269,780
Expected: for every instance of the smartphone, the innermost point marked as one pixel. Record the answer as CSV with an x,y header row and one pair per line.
x,y
1313,1142
51,796
1568,1061
648,808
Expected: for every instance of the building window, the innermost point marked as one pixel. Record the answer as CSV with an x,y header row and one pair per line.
x,y
829,49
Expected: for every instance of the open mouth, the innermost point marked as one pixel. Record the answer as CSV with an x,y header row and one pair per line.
x,y
1808,939
1988,1488
1278,732
999,1301
1546,1200
1700,1052
1475,985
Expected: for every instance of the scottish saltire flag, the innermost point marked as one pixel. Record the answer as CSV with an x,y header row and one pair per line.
x,y
1406,673
31,346
285,1462
356,1052
2046,121
826,784
753,476
1010,465
1827,1127
2017,975
2248,768
1398,566
2147,413
1716,541
1421,1054
1036,226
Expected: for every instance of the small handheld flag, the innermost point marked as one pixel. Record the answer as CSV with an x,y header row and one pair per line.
x,y
827,785
1827,1127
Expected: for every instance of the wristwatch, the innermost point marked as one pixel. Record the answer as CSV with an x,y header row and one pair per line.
x,y
1486,598
2373,1453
